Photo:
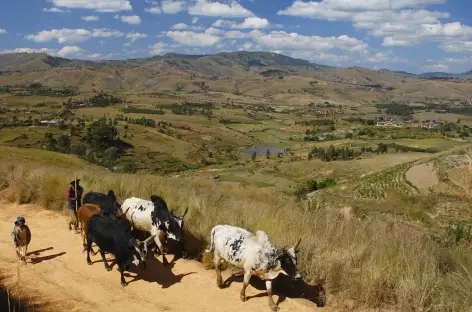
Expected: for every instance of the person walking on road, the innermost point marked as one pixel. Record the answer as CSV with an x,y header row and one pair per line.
x,y
74,201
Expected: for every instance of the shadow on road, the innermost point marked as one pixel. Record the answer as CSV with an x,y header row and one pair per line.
x,y
284,287
37,260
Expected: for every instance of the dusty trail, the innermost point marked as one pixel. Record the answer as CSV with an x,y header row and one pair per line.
x,y
57,270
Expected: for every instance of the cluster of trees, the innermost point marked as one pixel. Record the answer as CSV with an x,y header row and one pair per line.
x,y
147,122
100,145
333,153
362,121
313,185
189,108
39,89
316,122
103,100
135,110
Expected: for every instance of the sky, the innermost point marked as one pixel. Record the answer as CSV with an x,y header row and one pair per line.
x,y
410,35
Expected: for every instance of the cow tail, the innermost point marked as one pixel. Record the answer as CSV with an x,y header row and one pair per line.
x,y
212,240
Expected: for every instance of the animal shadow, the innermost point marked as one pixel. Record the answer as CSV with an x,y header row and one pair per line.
x,y
284,287
156,272
37,252
37,260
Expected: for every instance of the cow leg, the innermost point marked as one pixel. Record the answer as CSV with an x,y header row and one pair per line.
x,y
272,305
84,245
89,246
161,248
247,278
121,269
107,267
216,262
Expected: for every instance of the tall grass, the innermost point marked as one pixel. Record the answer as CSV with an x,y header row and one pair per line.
x,y
380,263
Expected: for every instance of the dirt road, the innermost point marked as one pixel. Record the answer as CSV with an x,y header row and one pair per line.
x,y
57,272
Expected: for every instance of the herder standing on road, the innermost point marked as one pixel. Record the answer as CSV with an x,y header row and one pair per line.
x,y
21,238
74,201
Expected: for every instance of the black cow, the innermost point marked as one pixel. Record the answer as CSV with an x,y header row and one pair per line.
x,y
114,236
107,203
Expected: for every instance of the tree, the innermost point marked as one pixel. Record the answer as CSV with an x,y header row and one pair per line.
x,y
50,143
63,144
254,156
100,134
268,154
78,148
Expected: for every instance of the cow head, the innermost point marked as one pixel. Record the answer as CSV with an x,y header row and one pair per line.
x,y
111,195
140,251
288,261
176,226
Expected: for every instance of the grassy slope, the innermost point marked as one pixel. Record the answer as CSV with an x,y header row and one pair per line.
x,y
381,263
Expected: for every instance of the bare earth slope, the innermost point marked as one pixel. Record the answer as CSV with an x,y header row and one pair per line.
x,y
57,272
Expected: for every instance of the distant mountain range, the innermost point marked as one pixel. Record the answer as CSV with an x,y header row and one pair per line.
x,y
431,74
221,64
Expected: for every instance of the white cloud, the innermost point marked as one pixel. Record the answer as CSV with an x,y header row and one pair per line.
x,y
222,23
128,44
172,6
193,39
69,51
250,22
133,36
296,42
254,23
460,46
94,56
26,50
152,2
153,10
131,19
437,68
218,9
236,34
2,31
97,5
214,31
181,26
194,20
399,22
384,57
107,33
53,10
91,18
159,48
66,35
322,57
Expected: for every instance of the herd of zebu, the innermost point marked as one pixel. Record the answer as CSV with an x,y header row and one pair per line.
x,y
109,225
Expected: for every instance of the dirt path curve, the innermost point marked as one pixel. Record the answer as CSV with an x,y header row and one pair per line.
x,y
57,270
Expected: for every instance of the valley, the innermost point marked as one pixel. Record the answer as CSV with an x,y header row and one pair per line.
x,y
373,167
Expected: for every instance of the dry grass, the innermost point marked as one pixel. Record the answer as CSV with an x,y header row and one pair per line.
x,y
381,263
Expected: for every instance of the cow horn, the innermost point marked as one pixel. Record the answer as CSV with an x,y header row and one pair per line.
x,y
185,212
298,243
149,239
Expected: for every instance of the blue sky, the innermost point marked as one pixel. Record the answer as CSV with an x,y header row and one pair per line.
x,y
411,35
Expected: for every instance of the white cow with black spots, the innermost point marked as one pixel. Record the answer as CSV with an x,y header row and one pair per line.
x,y
255,254
153,217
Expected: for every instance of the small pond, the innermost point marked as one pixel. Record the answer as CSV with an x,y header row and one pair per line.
x,y
261,150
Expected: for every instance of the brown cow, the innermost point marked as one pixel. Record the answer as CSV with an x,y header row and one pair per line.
x,y
84,214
